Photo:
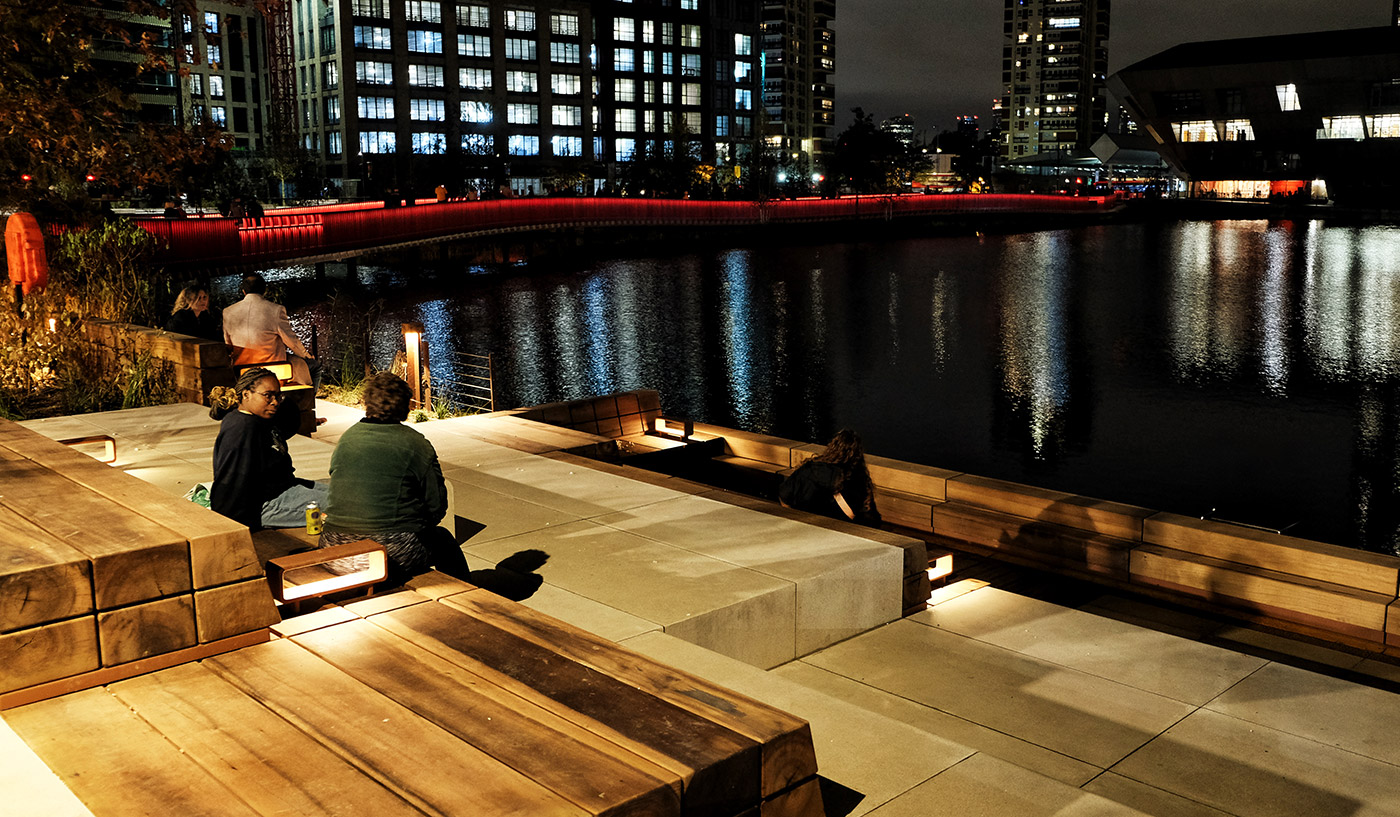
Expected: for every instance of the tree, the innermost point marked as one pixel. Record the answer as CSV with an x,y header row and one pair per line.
x,y
867,159
69,120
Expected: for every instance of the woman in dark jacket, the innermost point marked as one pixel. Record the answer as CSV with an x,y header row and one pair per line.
x,y
192,315
834,483
254,482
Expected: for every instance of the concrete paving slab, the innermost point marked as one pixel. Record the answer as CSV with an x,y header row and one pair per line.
x,y
724,607
1247,769
1089,718
1152,616
1258,642
1339,713
876,756
587,614
491,515
845,585
1177,668
936,722
985,786
582,492
1147,798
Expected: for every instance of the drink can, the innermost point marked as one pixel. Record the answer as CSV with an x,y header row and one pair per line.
x,y
313,518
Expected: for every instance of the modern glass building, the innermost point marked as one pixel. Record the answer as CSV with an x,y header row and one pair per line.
x,y
799,95
1276,116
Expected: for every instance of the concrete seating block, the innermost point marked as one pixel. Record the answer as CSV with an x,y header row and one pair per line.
x,y
1070,510
1309,601
759,630
1374,572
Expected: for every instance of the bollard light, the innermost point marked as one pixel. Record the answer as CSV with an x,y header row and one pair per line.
x,y
412,341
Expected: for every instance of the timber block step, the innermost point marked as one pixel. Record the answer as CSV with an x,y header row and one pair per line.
x,y
1286,596
1057,545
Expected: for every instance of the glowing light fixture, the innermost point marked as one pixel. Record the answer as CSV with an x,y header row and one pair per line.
x,y
413,345
942,568
109,446
673,429
327,570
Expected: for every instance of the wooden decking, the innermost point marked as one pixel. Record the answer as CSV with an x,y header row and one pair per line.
x,y
439,699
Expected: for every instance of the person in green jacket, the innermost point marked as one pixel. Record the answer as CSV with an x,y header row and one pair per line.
x,y
387,486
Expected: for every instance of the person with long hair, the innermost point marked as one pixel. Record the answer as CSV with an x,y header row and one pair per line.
x,y
254,480
192,315
387,486
834,483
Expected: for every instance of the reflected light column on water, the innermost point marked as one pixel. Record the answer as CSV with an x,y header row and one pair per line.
x,y
1035,368
739,325
1273,311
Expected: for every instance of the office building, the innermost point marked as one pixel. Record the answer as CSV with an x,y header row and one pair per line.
x,y
799,52
404,94
1295,115
1054,65
222,48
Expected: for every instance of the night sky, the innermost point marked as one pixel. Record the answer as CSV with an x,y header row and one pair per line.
x,y
937,59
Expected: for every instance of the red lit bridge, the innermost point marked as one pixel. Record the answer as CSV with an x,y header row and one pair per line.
x,y
343,231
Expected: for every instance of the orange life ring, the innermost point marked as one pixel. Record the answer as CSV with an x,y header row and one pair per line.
x,y
24,249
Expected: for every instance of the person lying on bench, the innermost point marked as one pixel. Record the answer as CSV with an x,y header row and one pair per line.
x,y
387,486
834,483
254,482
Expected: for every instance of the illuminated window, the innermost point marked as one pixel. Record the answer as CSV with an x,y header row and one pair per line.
x,y
566,115
332,74
566,24
690,36
690,65
422,11
369,8
624,29
518,20
523,82
333,143
1063,22
377,141
1341,127
376,107
564,52
211,22
743,45
429,142
332,110
425,42
1288,97
197,83
624,59
1238,130
648,31
219,115
374,73
1202,131
473,45
1384,126
476,79
625,120
690,93
566,84
625,90
476,111
478,144
521,145
743,99
692,122
216,86
426,110
372,37
625,149
423,76
474,16
518,113
566,145
517,49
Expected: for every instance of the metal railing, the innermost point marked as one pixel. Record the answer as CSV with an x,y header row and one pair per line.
x,y
469,386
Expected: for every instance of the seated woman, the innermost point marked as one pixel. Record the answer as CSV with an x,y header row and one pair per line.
x,y
834,483
192,315
387,486
254,481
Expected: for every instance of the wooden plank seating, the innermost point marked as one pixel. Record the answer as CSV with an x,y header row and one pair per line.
x,y
454,702
1046,543
104,574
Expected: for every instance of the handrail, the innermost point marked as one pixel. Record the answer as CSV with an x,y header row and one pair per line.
x,y
327,231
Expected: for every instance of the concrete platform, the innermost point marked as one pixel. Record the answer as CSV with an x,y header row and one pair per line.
x,y
991,703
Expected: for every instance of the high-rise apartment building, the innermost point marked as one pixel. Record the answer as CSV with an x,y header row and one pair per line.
x,y
799,50
221,48
1054,66
412,92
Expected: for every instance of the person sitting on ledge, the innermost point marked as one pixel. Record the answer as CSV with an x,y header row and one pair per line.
x,y
254,481
192,315
387,486
834,483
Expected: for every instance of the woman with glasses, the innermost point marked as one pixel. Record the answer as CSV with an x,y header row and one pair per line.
x,y
254,481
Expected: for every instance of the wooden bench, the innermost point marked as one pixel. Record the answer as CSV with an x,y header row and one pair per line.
x,y
105,574
441,699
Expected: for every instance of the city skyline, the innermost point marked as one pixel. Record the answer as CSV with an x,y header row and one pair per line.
x,y
943,60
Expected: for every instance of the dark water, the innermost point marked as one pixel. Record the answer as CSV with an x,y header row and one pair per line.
x,y
1250,367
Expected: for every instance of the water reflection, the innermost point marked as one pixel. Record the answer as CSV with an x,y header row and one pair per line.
x,y
1250,365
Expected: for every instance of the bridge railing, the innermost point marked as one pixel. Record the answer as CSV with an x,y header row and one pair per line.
x,y
308,232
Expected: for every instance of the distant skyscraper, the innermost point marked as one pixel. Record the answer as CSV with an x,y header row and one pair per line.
x,y
901,127
1054,64
799,51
